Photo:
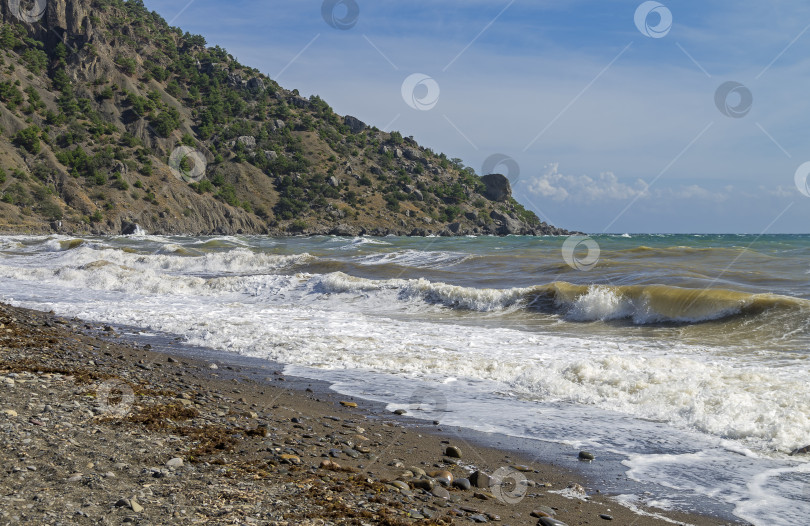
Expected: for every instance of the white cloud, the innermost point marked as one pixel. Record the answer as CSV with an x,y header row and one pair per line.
x,y
608,187
583,188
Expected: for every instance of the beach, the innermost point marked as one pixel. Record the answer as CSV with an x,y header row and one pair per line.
x,y
689,388
95,431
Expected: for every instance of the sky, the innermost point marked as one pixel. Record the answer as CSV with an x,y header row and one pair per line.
x,y
617,116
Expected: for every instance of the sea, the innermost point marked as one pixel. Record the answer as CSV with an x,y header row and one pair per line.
x,y
684,358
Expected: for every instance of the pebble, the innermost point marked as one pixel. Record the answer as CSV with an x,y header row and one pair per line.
x,y
463,484
399,484
417,471
290,459
548,521
478,518
135,506
445,478
213,366
543,511
425,484
10,412
606,516
440,492
76,477
348,404
483,495
479,479
334,466
452,452
175,463
586,455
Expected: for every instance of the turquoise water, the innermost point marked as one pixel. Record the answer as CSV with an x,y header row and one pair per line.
x,y
686,355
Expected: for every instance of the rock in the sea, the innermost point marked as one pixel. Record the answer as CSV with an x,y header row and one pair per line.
x,y
586,455
128,228
801,451
400,412
452,452
497,187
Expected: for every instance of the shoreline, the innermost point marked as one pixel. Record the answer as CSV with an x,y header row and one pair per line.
x,y
245,436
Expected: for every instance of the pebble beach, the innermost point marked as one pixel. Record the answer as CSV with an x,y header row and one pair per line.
x,y
95,430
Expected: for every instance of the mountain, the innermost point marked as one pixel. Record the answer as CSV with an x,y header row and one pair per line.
x,y
110,118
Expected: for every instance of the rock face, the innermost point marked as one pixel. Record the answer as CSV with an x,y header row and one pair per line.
x,y
498,187
255,84
354,124
508,225
248,140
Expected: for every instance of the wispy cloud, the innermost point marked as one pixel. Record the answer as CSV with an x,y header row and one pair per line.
x,y
607,187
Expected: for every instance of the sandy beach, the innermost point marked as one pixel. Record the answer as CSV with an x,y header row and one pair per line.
x,y
100,432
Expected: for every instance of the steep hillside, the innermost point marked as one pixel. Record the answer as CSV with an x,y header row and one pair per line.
x,y
111,118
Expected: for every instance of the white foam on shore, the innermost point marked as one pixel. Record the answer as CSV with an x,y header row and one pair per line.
x,y
301,320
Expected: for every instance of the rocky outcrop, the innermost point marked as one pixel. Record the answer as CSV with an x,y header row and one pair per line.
x,y
355,125
497,187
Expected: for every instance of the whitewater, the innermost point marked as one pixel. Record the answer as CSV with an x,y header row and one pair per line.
x,y
684,357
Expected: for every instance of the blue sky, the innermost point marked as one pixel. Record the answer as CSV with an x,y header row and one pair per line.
x,y
613,130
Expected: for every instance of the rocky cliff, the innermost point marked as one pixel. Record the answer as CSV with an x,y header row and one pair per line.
x,y
110,118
